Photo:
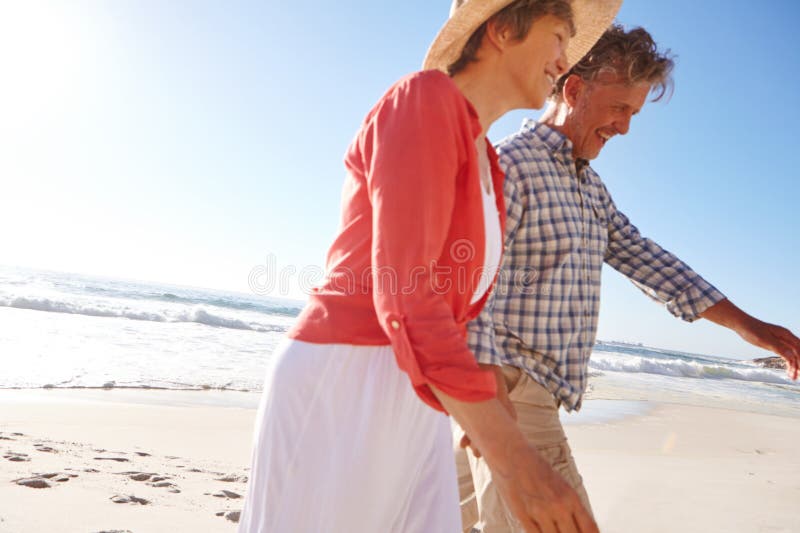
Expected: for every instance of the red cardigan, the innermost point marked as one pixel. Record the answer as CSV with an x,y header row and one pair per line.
x,y
410,247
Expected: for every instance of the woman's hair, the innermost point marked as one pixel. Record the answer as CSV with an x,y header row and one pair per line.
x,y
632,57
519,17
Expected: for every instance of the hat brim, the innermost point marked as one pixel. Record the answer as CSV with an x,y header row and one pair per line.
x,y
591,17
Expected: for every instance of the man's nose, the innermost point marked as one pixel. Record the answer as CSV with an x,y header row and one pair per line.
x,y
623,125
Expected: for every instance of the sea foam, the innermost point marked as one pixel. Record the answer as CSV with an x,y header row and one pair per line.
x,y
616,362
111,309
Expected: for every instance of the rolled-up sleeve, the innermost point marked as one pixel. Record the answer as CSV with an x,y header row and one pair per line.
x,y
658,273
411,148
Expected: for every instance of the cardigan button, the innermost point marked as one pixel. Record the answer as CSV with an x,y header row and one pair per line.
x,y
395,325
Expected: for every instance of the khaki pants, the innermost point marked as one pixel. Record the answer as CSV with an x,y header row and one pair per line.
x,y
482,511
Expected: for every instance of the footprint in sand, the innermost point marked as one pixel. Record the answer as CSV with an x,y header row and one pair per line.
x,y
43,448
154,480
117,459
59,477
33,482
143,476
173,488
42,481
120,498
227,494
233,516
232,478
139,476
16,457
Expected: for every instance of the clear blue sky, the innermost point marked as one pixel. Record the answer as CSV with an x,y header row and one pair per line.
x,y
185,141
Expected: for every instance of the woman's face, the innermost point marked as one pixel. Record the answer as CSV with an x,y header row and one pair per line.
x,y
538,60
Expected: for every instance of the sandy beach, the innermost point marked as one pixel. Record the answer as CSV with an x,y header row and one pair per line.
x,y
158,461
121,462
691,469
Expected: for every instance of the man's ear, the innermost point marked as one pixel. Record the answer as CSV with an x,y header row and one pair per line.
x,y
572,90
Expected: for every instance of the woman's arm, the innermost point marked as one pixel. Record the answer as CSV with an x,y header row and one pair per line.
x,y
536,494
412,151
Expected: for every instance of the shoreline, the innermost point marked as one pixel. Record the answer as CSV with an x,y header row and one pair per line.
x,y
135,396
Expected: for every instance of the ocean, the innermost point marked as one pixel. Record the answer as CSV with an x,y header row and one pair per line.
x,y
69,331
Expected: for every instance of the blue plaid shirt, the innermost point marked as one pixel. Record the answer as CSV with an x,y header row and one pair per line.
x,y
562,225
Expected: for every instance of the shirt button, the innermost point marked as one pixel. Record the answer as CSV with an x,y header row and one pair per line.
x,y
395,325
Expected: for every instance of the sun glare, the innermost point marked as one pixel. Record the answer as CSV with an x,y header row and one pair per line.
x,y
40,56
45,53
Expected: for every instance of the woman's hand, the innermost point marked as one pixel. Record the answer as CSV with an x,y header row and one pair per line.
x,y
537,496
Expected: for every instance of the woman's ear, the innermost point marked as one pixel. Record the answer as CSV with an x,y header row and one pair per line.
x,y
496,36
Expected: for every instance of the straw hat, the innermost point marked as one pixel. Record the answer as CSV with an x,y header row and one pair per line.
x,y
592,18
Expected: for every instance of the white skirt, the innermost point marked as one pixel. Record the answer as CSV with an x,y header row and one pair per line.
x,y
343,444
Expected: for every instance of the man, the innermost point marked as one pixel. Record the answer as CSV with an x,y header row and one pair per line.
x,y
538,330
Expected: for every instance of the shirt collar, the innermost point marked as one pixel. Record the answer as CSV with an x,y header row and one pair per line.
x,y
555,140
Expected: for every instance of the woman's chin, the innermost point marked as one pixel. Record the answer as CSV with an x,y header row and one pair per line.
x,y
537,102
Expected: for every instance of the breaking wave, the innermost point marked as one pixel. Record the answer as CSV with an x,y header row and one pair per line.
x,y
194,314
684,369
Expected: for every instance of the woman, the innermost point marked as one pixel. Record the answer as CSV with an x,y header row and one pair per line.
x,y
343,442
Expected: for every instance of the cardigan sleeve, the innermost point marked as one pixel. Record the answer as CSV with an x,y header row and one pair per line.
x,y
412,147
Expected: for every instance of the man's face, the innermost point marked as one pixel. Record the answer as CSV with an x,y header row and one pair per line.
x,y
598,110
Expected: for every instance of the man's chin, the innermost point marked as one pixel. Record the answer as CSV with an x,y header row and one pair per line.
x,y
592,154
588,156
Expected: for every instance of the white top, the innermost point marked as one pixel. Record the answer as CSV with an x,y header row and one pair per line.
x,y
494,241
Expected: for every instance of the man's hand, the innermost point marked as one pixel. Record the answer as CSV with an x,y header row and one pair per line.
x,y
776,339
502,396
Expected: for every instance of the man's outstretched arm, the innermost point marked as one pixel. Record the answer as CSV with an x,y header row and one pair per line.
x,y
664,277
776,339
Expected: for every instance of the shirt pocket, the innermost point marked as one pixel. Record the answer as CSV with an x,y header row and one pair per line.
x,y
598,226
